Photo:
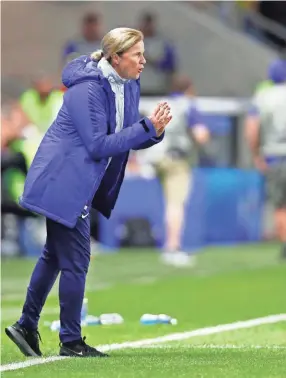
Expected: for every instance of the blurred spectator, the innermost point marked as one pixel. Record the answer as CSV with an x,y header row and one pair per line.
x,y
268,82
161,59
266,135
42,102
89,41
19,142
18,146
12,124
248,24
13,165
172,159
9,131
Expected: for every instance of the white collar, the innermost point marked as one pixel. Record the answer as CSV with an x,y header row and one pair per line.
x,y
109,72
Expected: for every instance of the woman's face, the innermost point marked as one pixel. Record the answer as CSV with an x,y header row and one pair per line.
x,y
131,63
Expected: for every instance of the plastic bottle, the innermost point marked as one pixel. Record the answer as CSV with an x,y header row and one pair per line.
x,y
106,319
92,320
84,308
166,319
149,319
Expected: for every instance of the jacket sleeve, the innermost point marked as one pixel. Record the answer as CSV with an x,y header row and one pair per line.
x,y
87,109
154,139
150,142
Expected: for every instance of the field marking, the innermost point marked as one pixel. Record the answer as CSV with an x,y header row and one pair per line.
x,y
158,340
215,346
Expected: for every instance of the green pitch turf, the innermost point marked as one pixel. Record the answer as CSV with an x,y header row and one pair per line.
x,y
227,284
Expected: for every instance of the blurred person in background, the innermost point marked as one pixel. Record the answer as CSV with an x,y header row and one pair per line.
x,y
19,142
268,82
10,131
12,164
266,134
161,56
172,160
248,8
80,164
42,102
88,41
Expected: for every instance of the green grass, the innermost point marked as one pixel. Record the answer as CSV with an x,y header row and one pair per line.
x,y
168,363
227,284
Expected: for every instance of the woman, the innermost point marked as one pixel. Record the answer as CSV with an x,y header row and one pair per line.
x,y
80,164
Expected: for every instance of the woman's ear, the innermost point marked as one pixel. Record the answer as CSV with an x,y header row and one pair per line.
x,y
115,59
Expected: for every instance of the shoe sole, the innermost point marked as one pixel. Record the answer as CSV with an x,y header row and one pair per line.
x,y
21,343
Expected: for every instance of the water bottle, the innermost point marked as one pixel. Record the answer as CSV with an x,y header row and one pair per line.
x,y
166,319
92,320
83,313
149,319
107,319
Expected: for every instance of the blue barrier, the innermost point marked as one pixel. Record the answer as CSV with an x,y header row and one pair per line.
x,y
138,198
225,206
217,124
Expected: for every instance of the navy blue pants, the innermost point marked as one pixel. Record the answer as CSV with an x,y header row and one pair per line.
x,y
67,251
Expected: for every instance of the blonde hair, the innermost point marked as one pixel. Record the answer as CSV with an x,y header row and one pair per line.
x,y
117,41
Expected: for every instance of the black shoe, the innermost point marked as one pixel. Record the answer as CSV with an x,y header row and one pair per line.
x,y
26,340
80,349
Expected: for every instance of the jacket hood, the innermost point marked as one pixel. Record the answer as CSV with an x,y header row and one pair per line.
x,y
79,70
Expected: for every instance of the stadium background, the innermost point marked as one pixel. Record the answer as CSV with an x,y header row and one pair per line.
x,y
225,48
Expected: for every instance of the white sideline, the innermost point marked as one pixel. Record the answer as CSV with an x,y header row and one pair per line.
x,y
215,346
158,340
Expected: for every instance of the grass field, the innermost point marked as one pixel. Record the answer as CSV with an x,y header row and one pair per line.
x,y
228,284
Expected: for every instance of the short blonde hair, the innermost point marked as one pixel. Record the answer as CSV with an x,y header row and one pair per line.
x,y
117,41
